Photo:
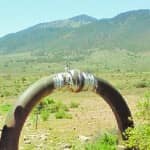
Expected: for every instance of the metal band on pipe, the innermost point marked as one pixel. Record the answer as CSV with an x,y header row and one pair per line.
x,y
75,80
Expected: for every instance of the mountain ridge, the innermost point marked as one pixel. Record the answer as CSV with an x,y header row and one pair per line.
x,y
124,31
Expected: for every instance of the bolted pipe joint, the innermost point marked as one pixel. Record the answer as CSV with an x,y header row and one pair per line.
x,y
75,80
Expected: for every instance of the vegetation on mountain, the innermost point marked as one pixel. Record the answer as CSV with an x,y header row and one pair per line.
x,y
128,30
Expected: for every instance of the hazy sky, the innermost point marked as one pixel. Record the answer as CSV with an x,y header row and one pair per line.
x,y
16,15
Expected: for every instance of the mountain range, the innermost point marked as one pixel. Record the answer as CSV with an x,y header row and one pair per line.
x,y
129,31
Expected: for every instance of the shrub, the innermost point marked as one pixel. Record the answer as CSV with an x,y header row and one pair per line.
x,y
74,105
106,142
48,105
61,114
144,109
62,106
49,100
55,107
138,137
45,115
43,108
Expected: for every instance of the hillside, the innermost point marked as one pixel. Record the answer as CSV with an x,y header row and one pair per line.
x,y
119,44
129,30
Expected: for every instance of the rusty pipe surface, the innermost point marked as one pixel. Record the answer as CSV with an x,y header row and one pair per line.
x,y
76,81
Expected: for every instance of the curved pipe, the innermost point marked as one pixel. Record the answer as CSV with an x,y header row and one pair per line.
x,y
117,104
16,118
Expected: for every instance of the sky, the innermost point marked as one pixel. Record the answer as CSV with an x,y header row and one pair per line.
x,y
16,15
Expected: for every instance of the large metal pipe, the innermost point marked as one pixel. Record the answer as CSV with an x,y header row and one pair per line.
x,y
77,81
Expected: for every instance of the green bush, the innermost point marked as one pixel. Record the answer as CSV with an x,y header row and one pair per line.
x,y
48,105
49,100
42,109
45,115
55,107
106,142
74,105
139,136
62,106
61,114
143,106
